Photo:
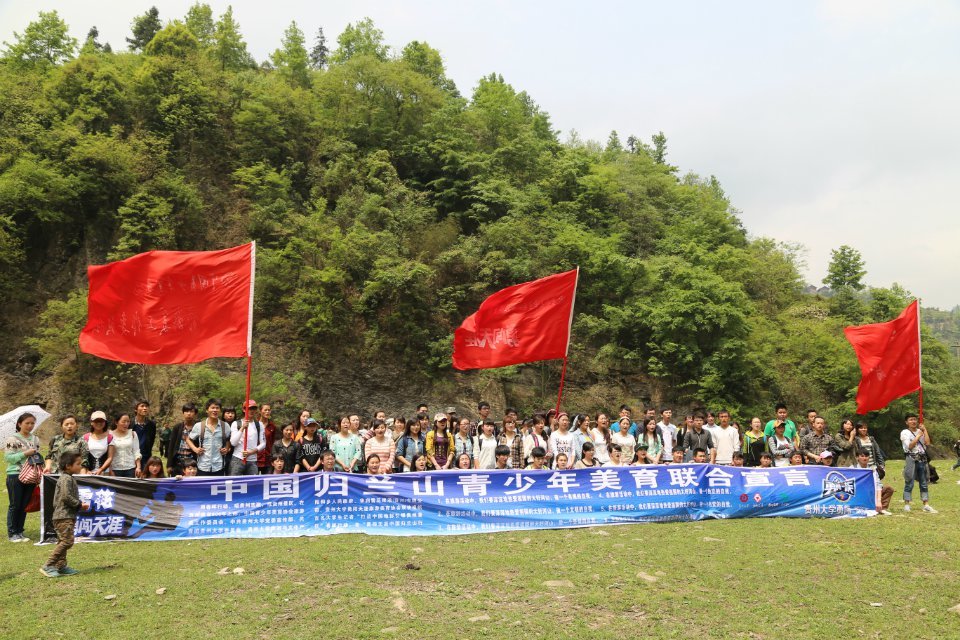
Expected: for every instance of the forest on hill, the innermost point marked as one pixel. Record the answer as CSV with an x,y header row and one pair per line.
x,y
386,203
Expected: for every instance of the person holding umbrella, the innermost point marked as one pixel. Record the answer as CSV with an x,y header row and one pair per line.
x,y
21,448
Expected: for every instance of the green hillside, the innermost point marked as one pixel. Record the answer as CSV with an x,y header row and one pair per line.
x,y
387,203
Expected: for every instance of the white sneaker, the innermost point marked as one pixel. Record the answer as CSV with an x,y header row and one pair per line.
x,y
929,509
906,507
886,512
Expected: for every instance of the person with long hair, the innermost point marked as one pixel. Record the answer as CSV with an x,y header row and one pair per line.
x,y
382,445
513,441
439,444
153,470
649,436
301,424
580,427
587,461
866,442
67,440
847,455
419,463
23,447
287,448
536,438
601,438
126,449
410,445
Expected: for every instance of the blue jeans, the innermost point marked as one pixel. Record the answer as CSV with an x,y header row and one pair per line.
x,y
913,470
19,495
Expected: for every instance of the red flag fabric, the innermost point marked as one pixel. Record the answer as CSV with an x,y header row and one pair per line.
x,y
171,307
523,323
889,355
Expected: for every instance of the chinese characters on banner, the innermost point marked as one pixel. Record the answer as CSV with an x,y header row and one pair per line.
x,y
453,502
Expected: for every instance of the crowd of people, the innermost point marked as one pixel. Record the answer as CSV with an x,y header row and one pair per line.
x,y
225,441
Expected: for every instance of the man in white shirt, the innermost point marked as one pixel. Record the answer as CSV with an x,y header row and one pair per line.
x,y
247,438
668,431
727,440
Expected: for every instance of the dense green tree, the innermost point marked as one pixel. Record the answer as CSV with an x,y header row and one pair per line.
x,y
291,59
320,53
45,41
200,22
360,39
427,61
144,27
229,49
846,269
93,45
174,40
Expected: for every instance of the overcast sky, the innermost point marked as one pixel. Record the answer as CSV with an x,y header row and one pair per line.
x,y
827,123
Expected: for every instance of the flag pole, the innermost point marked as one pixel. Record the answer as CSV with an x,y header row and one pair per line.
x,y
563,374
920,362
563,371
253,270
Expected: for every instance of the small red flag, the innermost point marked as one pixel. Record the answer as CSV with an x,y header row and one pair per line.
x,y
171,307
889,355
523,323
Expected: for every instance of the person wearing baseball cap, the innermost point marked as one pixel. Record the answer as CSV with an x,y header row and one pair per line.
x,y
439,443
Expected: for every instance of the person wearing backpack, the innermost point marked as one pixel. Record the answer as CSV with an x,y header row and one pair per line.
x,y
210,441
247,440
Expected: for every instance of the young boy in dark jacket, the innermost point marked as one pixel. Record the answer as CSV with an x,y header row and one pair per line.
x,y
66,503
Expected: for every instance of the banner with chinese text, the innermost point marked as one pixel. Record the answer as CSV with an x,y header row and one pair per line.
x,y
455,502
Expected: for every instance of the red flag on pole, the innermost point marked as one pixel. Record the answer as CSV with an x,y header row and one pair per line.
x,y
171,307
523,323
889,355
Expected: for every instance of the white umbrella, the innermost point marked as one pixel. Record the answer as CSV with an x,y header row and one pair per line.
x,y
8,421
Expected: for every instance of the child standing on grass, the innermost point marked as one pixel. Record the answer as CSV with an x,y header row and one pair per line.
x,y
66,503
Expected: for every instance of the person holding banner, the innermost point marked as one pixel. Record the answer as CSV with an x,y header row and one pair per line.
x,y
915,440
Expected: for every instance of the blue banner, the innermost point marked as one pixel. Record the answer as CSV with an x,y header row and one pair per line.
x,y
456,502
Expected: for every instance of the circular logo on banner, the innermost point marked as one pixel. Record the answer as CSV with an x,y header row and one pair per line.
x,y
744,497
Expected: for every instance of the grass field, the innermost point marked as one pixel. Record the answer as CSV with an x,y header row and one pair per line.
x,y
883,577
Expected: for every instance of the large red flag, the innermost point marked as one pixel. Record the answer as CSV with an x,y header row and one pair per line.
x,y
171,307
889,355
523,323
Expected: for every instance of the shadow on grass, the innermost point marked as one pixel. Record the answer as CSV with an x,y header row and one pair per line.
x,y
103,569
